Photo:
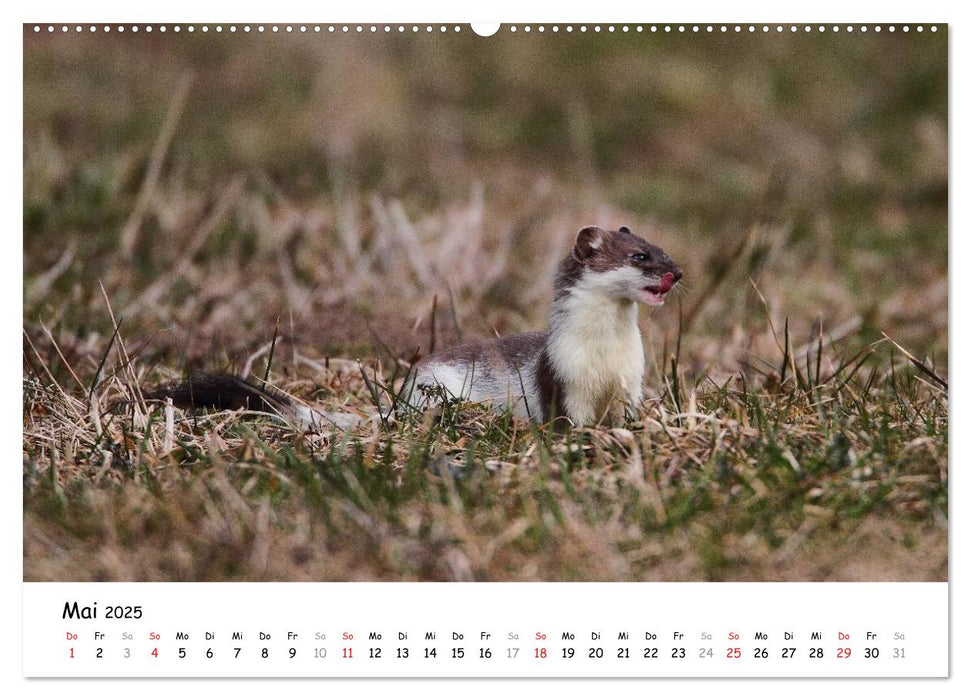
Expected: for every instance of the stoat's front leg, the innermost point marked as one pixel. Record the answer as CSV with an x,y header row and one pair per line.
x,y
633,392
579,406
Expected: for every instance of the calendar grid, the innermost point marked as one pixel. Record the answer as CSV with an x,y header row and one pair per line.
x,y
482,629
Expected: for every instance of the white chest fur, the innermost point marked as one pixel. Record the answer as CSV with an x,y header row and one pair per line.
x,y
596,350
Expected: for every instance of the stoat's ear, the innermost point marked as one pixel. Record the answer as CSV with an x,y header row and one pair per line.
x,y
624,229
589,239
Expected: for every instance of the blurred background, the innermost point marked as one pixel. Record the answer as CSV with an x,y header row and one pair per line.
x,y
343,185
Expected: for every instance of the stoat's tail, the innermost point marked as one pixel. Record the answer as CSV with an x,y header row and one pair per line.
x,y
229,392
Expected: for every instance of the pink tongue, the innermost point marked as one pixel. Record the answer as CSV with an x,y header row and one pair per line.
x,y
667,281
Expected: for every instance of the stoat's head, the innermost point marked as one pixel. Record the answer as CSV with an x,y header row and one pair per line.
x,y
621,265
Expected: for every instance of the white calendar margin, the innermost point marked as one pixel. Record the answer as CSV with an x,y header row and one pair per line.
x,y
509,10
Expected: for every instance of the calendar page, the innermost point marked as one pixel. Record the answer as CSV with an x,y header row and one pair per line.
x,y
513,350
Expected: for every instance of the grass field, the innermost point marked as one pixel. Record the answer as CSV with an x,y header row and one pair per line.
x,y
314,209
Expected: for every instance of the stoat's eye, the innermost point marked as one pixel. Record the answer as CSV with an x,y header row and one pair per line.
x,y
640,257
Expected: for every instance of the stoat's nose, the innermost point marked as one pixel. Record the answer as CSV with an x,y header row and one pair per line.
x,y
676,274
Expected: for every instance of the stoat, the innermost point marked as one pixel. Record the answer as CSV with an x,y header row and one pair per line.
x,y
590,358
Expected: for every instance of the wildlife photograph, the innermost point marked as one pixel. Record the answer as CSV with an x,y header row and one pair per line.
x,y
602,302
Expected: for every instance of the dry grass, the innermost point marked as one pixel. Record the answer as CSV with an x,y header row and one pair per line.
x,y
215,191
